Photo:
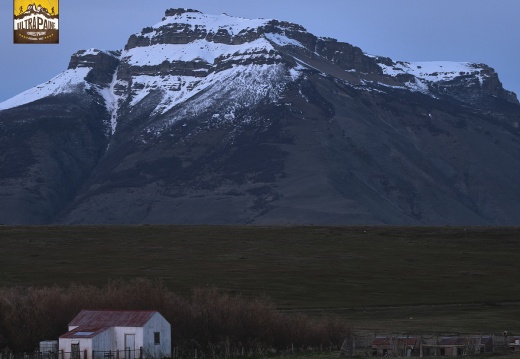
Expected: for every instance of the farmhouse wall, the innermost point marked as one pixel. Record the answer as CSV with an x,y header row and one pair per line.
x,y
157,324
102,341
121,332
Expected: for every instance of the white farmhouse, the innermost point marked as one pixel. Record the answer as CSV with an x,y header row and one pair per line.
x,y
109,334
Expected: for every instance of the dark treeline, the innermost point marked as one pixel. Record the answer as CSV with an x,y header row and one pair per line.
x,y
209,319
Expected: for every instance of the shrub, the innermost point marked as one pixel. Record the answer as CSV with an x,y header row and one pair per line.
x,y
210,320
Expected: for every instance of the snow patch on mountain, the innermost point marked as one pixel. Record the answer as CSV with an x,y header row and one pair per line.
x,y
225,92
72,80
434,71
418,85
283,40
91,51
295,72
213,23
200,49
112,101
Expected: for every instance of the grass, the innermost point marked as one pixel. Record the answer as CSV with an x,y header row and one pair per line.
x,y
496,355
336,354
379,278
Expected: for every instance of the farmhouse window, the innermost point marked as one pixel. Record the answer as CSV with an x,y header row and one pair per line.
x,y
157,338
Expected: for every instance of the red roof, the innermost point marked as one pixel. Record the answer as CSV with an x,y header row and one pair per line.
x,y
112,318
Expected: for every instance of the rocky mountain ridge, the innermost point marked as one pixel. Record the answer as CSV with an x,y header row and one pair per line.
x,y
225,120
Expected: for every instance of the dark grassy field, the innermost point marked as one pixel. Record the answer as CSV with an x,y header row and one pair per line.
x,y
379,278
335,355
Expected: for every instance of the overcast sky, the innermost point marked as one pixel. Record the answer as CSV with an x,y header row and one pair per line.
x,y
486,31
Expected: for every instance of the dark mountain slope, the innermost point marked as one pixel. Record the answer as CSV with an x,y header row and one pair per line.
x,y
49,148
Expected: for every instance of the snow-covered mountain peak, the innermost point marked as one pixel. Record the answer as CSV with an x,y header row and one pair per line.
x,y
189,52
181,26
210,23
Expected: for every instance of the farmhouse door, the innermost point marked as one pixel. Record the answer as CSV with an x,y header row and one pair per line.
x,y
74,351
130,346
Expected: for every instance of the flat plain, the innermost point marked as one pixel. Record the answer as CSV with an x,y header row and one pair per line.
x,y
387,279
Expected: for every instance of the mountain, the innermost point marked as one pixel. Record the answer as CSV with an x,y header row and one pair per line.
x,y
225,120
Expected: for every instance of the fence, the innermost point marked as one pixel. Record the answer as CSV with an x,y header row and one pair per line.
x,y
194,351
118,354
421,345
353,345
83,354
34,355
235,352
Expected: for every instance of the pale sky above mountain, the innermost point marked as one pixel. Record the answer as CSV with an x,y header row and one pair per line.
x,y
483,31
